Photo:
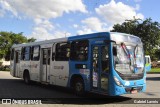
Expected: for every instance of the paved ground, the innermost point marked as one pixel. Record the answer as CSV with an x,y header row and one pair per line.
x,y
11,87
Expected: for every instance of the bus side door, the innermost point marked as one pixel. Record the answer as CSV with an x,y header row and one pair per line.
x,y
46,54
100,68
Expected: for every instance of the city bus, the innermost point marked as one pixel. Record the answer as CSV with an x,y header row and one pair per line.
x,y
108,63
147,63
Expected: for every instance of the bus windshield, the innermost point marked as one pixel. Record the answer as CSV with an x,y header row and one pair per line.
x,y
129,59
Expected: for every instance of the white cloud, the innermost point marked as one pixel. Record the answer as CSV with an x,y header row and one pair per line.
x,y
41,33
75,26
2,13
61,34
44,9
42,29
84,31
137,7
5,6
44,23
117,12
41,11
45,30
92,24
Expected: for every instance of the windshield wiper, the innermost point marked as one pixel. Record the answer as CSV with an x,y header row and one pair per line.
x,y
125,49
127,54
135,53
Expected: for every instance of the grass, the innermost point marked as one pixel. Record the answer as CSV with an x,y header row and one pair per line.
x,y
5,69
155,70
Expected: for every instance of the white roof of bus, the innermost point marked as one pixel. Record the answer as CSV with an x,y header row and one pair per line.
x,y
40,42
63,39
118,37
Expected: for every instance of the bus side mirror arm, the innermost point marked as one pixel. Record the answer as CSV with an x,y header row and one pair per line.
x,y
106,41
114,48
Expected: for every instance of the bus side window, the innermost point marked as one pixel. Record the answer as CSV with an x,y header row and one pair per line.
x,y
79,50
35,53
26,53
22,53
62,51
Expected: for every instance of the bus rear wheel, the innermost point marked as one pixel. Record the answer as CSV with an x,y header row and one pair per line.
x,y
26,78
79,87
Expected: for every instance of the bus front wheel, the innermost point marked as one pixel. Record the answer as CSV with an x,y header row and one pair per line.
x,y
79,87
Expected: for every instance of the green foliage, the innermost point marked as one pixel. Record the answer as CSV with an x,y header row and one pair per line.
x,y
31,40
7,39
155,70
147,30
2,68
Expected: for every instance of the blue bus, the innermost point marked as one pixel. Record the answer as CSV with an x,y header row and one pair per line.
x,y
108,63
147,63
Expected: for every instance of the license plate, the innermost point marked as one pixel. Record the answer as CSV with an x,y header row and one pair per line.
x,y
134,91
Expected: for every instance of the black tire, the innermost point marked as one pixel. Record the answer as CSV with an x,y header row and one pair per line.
x,y
79,87
26,78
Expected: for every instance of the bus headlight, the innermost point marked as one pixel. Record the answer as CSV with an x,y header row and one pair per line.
x,y
117,81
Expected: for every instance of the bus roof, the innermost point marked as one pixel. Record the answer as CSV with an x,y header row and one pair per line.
x,y
123,37
78,37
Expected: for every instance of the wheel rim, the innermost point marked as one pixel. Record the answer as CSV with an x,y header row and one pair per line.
x,y
79,87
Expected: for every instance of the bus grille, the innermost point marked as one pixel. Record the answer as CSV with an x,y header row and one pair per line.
x,y
131,77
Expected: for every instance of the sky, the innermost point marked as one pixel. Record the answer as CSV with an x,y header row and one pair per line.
x,y
49,19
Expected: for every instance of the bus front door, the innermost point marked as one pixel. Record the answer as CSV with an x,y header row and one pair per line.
x,y
100,68
46,53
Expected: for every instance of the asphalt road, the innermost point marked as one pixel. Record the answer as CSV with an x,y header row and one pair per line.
x,y
11,87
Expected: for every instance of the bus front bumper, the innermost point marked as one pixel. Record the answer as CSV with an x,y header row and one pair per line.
x,y
130,90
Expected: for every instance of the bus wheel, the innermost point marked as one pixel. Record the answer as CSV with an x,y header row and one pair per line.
x,y
79,87
26,78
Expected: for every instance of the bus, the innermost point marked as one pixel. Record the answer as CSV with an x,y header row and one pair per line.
x,y
108,63
147,63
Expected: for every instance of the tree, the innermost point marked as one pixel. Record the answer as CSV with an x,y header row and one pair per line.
x,y
147,30
7,39
31,39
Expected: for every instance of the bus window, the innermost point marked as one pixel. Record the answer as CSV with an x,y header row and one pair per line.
x,y
105,59
44,57
62,52
79,50
35,53
26,53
